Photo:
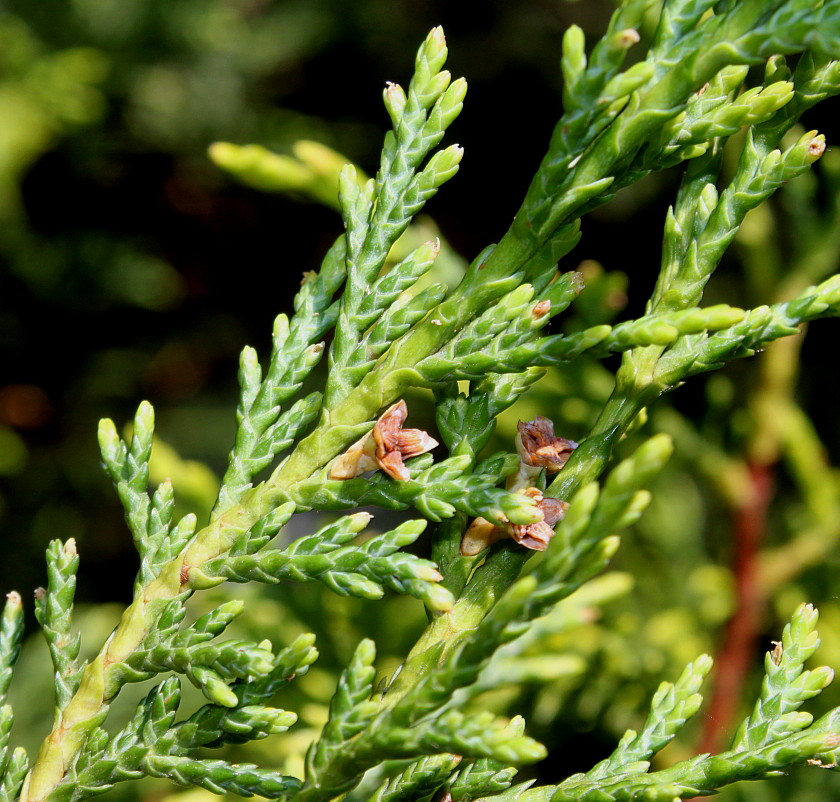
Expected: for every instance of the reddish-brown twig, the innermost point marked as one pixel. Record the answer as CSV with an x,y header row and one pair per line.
x,y
736,652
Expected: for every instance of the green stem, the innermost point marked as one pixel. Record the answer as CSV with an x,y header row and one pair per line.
x,y
479,597
102,677
388,381
635,388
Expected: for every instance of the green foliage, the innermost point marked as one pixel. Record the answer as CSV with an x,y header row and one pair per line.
x,y
423,730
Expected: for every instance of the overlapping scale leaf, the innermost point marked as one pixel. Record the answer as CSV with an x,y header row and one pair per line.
x,y
215,725
436,492
677,20
417,781
351,711
672,705
364,569
128,467
390,309
376,216
11,635
483,777
54,611
786,685
242,779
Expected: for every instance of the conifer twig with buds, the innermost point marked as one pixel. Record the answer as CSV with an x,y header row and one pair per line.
x,y
354,442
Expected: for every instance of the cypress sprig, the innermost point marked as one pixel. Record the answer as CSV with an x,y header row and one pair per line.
x,y
741,36
14,764
585,83
525,352
207,666
165,540
251,724
760,326
220,777
11,635
515,318
672,705
262,430
110,760
760,173
6,721
482,777
582,546
360,570
157,536
436,492
715,113
395,321
419,736
210,625
816,77
760,750
703,774
215,725
14,774
480,735
351,711
420,779
210,665
296,350
786,685
312,171
159,525
377,215
150,743
128,467
683,275
54,611
378,307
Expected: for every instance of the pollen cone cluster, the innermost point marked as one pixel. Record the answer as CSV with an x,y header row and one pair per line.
x,y
539,449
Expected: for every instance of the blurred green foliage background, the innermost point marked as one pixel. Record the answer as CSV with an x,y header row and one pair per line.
x,y
133,268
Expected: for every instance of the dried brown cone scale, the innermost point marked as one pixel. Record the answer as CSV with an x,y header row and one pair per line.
x,y
481,533
539,450
385,447
539,447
